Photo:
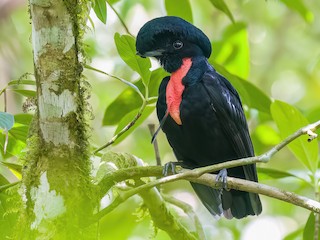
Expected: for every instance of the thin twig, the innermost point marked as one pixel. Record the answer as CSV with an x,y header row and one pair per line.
x,y
126,128
316,220
134,87
120,18
5,100
155,144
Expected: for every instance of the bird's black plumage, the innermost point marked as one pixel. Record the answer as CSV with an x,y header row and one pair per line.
x,y
212,127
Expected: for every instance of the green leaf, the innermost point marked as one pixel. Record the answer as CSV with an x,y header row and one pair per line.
x,y
17,137
155,80
3,180
289,120
12,166
313,114
100,9
21,82
14,147
232,50
25,93
222,6
126,48
179,8
250,95
23,118
267,135
295,235
276,174
6,120
124,103
112,1
128,118
19,133
129,100
299,7
308,232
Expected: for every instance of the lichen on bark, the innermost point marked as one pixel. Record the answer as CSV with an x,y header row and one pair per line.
x,y
57,166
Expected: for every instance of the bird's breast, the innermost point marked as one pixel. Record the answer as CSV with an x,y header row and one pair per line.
x,y
175,89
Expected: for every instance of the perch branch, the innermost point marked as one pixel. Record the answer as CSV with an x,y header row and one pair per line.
x,y
198,175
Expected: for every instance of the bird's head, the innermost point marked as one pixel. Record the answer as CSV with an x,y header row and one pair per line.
x,y
170,39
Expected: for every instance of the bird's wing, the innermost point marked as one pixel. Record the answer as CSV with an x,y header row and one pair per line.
x,y
226,103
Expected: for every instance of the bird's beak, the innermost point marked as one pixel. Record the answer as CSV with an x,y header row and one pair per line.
x,y
155,53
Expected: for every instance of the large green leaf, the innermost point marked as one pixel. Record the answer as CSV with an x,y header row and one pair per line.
x,y
267,135
232,50
180,8
100,9
14,147
289,120
308,232
3,179
6,120
22,82
17,137
23,118
25,93
124,103
295,235
13,167
275,173
250,95
19,132
155,80
128,118
300,7
222,6
129,100
126,48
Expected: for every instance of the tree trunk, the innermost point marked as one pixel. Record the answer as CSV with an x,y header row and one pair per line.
x,y
57,190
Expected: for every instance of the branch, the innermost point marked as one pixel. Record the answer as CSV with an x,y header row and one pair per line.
x,y
160,214
151,127
189,211
162,217
197,175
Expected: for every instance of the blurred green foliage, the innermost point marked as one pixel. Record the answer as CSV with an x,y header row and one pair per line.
x,y
269,50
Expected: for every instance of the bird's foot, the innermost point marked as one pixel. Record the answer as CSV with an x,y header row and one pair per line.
x,y
222,177
170,168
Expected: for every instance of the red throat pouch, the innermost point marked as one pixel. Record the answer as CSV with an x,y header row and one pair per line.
x,y
175,89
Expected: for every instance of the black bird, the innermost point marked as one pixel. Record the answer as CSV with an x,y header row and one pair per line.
x,y
200,112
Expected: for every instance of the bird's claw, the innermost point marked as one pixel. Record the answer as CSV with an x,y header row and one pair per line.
x,y
170,168
222,177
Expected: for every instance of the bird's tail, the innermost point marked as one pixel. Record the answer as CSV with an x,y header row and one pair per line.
x,y
230,204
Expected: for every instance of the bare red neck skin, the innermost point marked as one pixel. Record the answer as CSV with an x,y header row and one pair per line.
x,y
175,89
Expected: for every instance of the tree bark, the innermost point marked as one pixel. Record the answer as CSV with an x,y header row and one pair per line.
x,y
57,190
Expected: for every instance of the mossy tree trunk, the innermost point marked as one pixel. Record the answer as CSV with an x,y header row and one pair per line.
x,y
57,189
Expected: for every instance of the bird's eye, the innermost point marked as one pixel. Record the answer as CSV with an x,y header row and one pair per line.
x,y
177,44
